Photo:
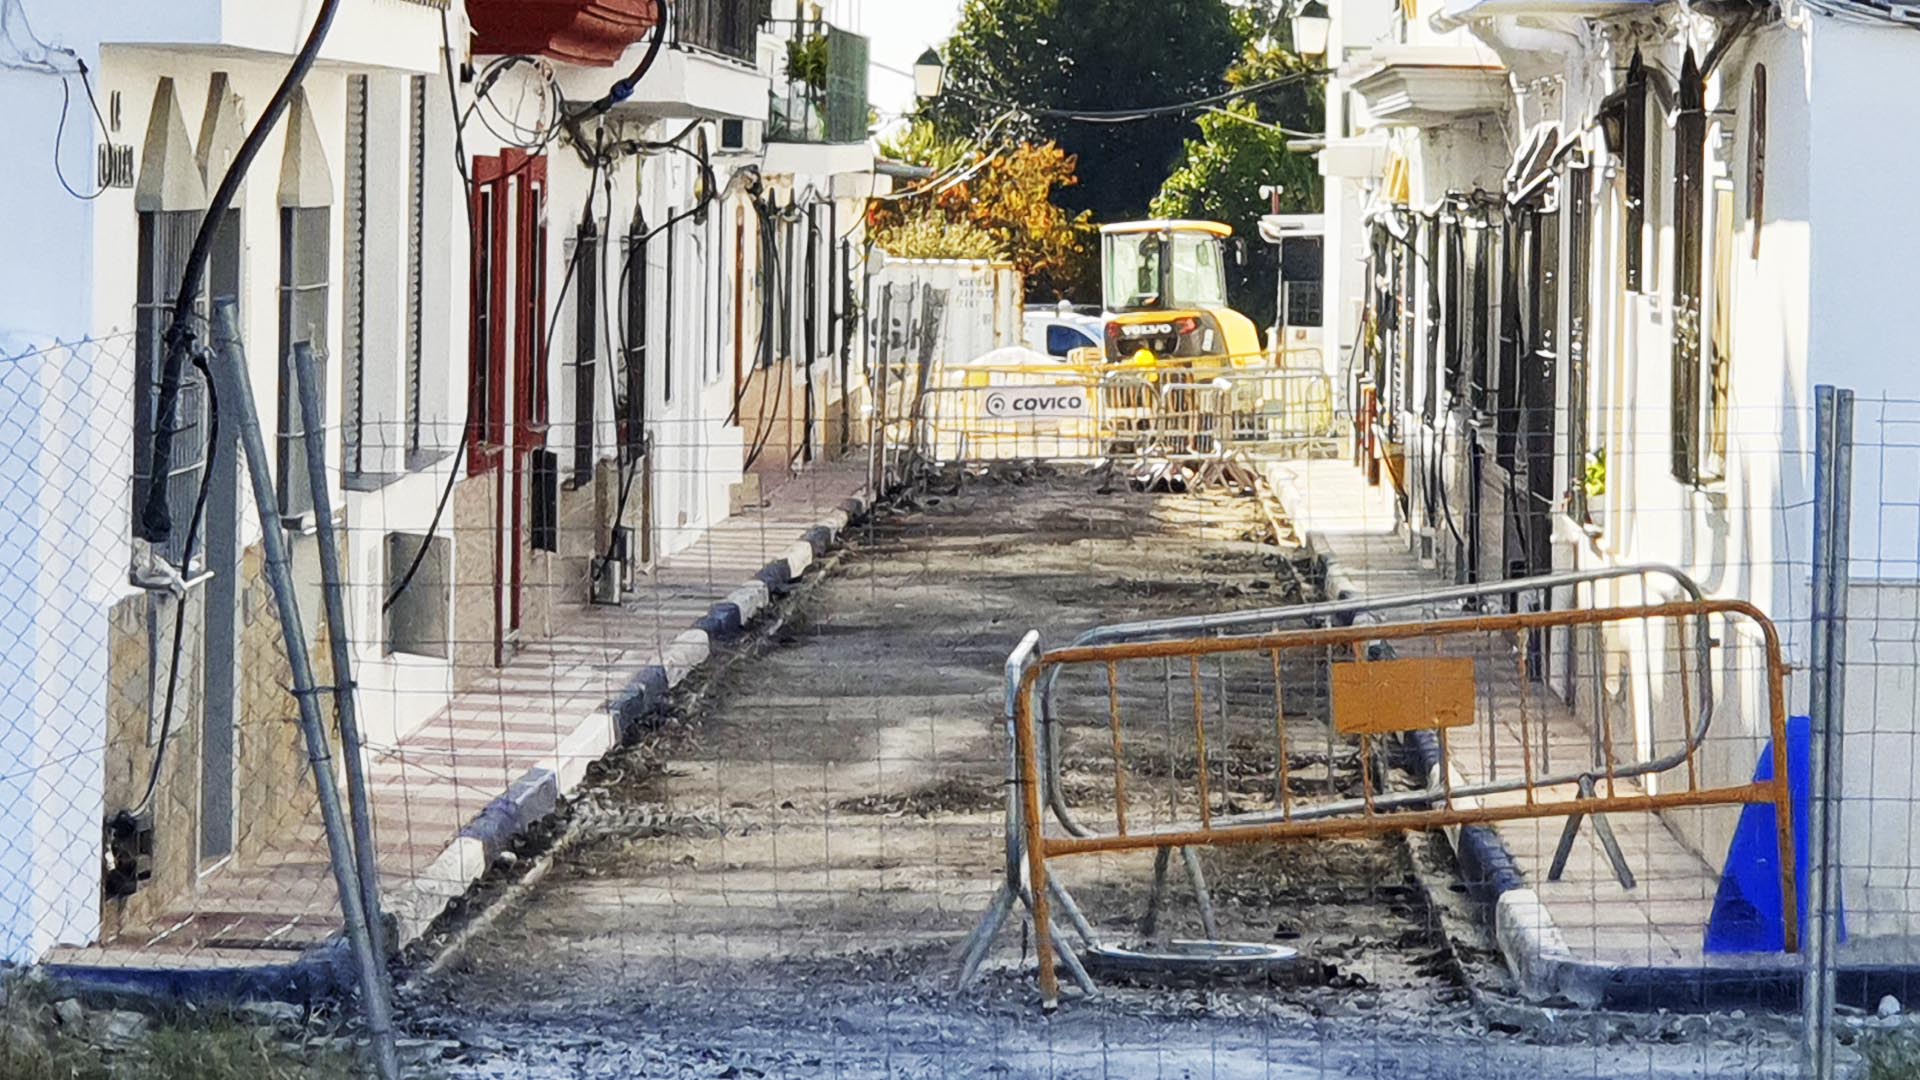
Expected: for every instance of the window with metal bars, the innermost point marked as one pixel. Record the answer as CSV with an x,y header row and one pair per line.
x,y
1577,204
1689,212
586,346
632,406
717,296
1634,165
165,239
668,304
304,285
1517,243
1540,366
1453,308
354,314
1480,254
416,266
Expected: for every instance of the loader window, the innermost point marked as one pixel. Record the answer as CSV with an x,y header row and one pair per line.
x,y
1199,271
1133,272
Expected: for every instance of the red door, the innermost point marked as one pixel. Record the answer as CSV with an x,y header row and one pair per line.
x,y
508,386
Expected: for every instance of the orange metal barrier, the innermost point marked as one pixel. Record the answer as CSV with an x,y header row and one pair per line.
x,y
1474,682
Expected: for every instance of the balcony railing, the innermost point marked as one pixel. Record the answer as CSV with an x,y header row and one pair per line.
x,y
820,91
728,27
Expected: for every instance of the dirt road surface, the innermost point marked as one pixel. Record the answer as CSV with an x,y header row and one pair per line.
x,y
773,882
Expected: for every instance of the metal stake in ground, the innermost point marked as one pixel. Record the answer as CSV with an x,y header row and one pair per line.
x,y
345,696
1013,888
1832,544
236,393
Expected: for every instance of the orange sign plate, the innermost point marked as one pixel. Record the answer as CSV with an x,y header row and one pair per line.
x,y
1383,697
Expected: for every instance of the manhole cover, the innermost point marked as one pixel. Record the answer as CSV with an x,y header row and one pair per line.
x,y
1189,959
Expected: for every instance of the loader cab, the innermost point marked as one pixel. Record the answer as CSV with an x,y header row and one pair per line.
x,y
1165,265
1165,292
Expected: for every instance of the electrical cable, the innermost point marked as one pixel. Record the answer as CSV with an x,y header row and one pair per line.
x,y
180,602
780,304
473,238
11,13
709,195
769,306
60,132
473,228
775,304
1129,116
786,314
156,518
624,88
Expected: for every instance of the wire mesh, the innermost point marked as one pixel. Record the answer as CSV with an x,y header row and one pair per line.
x,y
655,796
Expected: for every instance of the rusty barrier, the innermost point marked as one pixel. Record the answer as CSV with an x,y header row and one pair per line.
x,y
1289,743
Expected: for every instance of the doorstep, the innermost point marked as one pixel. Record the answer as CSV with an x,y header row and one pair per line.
x,y
453,794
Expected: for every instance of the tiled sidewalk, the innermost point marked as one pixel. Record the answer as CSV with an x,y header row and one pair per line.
x,y
450,794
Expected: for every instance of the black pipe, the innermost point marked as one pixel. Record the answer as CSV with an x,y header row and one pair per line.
x,y
156,517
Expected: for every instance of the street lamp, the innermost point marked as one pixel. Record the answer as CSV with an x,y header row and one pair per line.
x,y
929,75
1311,25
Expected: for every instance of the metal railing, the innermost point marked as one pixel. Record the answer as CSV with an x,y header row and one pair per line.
x,y
1467,680
1181,411
1347,611
820,91
729,28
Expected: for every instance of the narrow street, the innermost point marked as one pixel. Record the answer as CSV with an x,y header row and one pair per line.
x,y
773,882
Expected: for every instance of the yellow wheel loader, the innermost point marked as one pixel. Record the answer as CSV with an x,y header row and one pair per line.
x,y
1166,296
1171,336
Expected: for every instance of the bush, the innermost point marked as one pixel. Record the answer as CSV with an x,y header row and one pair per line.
x,y
931,237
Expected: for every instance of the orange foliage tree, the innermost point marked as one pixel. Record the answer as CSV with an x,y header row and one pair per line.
x,y
1010,198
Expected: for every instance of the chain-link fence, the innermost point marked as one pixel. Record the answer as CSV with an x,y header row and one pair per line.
x,y
684,765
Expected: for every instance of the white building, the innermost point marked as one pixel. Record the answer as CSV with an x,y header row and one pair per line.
x,y
1589,259
556,328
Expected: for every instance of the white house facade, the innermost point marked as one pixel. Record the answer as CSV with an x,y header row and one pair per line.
x,y
547,338
1587,261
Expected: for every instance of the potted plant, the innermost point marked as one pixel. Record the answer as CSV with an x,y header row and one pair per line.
x,y
807,62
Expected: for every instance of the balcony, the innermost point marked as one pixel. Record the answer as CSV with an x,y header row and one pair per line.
x,y
592,33
708,71
729,28
1428,85
820,89
366,33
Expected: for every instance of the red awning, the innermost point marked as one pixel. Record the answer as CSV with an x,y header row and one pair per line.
x,y
593,33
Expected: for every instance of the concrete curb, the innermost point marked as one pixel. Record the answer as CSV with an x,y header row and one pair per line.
x,y
326,970
1535,950
1533,947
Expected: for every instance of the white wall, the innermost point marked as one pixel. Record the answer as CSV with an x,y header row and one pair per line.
x,y
69,501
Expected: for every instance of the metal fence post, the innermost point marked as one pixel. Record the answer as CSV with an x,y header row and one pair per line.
x,y
1832,545
345,691
236,395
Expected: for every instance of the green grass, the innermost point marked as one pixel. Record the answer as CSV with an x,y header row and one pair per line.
x,y
206,1046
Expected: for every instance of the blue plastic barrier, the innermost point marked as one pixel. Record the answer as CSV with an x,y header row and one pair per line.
x,y
1747,915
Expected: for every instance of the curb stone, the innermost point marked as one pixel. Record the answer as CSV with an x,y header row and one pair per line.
x,y
327,970
1532,945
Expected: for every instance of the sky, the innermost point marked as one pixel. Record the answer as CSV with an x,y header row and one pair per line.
x,y
901,30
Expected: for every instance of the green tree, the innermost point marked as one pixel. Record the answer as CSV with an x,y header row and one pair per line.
x,y
1090,55
1242,148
